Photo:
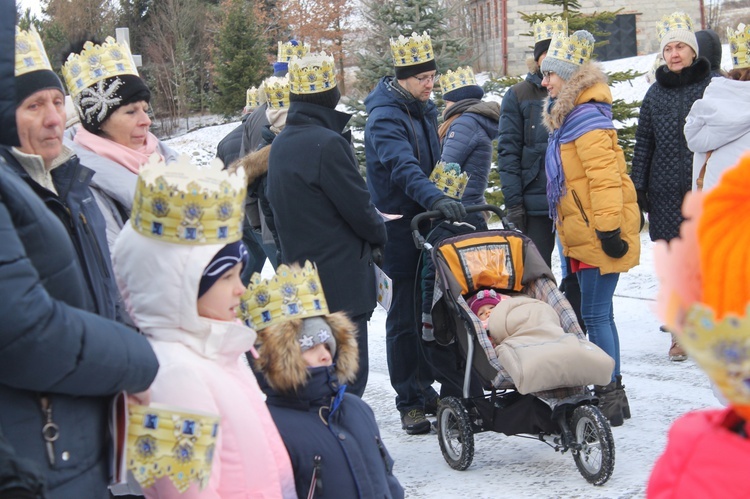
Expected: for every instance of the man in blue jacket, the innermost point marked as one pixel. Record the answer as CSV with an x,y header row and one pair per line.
x,y
402,148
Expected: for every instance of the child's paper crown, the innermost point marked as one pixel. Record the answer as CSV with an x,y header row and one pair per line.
x,y
252,99
452,80
413,50
448,178
96,63
276,91
182,203
739,46
291,49
312,73
571,49
30,53
545,29
673,22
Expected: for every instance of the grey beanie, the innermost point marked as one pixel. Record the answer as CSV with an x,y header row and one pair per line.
x,y
562,60
316,330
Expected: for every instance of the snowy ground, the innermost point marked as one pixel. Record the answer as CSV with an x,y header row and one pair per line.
x,y
510,467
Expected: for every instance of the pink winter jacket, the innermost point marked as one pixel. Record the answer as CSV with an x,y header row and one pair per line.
x,y
201,368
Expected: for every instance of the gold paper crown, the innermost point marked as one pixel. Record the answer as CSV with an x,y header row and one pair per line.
x,y
288,50
276,91
30,53
572,49
672,22
252,99
448,178
545,29
461,77
182,203
166,442
96,63
413,50
739,46
312,73
293,293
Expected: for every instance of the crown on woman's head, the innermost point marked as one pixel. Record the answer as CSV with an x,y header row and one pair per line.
x,y
413,50
182,203
291,49
30,53
672,22
312,73
251,98
293,293
461,77
448,178
573,49
545,29
276,91
96,63
739,46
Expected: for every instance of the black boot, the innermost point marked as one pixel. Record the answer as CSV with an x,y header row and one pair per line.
x,y
623,397
609,403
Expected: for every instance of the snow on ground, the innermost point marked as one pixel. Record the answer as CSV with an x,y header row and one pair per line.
x,y
509,467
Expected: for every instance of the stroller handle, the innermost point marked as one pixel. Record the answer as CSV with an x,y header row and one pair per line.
x,y
419,240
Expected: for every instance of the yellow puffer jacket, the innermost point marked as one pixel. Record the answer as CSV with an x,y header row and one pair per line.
x,y
599,194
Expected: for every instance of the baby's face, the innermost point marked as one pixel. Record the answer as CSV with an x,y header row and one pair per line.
x,y
484,312
318,356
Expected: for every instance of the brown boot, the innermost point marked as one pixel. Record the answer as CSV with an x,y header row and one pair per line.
x,y
620,388
609,403
676,353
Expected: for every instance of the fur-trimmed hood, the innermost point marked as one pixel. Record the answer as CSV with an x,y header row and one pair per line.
x,y
255,164
280,358
587,84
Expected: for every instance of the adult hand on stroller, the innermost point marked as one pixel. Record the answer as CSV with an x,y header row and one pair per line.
x,y
377,255
612,243
517,216
451,209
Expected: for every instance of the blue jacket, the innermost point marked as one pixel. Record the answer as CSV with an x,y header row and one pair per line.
x,y
401,149
522,146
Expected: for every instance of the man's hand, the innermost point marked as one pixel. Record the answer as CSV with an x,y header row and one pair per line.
x,y
452,210
517,216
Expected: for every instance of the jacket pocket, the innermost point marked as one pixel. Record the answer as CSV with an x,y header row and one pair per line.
x,y
580,207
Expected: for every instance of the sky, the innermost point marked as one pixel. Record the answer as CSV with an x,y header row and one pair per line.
x,y
34,5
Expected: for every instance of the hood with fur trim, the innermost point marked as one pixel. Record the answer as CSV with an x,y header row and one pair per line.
x,y
255,164
280,358
587,84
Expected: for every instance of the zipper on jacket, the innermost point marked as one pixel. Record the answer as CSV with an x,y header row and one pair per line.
x,y
102,263
50,430
580,207
383,454
316,484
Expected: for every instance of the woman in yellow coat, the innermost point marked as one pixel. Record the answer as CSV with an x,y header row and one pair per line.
x,y
591,197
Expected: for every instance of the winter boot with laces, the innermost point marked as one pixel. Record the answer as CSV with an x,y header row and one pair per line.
x,y
676,353
622,396
609,403
415,422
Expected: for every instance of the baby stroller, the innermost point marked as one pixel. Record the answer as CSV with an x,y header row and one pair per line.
x,y
567,419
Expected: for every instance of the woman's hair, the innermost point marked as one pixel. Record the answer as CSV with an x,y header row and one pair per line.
x,y
740,74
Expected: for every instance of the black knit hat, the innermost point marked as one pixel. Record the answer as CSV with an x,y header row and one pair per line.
x,y
30,83
226,258
709,46
329,98
465,92
404,72
540,48
121,90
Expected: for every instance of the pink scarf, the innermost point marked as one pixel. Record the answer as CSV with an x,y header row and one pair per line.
x,y
132,159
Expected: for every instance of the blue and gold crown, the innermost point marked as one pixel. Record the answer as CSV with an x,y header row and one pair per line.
x,y
545,29
182,203
739,46
96,63
413,50
448,178
293,293
572,49
173,443
30,53
289,50
461,77
672,22
276,91
252,99
312,73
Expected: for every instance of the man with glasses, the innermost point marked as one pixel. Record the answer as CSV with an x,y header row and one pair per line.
x,y
402,148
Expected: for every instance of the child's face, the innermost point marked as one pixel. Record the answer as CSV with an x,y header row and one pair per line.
x,y
221,300
484,312
318,356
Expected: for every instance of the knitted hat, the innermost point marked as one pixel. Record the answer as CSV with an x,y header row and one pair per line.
x,y
227,257
33,71
709,46
676,27
460,84
568,53
482,298
413,55
280,69
540,48
315,330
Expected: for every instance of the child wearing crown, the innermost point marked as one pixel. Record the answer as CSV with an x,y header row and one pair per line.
x,y
178,263
307,356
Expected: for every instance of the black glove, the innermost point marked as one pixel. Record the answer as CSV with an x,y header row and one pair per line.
x,y
451,209
517,216
377,255
643,204
612,243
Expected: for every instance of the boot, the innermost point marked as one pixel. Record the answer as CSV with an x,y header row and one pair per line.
x,y
622,396
609,403
676,353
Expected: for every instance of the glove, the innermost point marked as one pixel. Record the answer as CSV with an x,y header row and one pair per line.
x,y
612,243
377,255
643,204
450,209
517,216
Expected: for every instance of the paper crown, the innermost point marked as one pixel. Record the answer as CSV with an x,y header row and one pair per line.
x,y
448,178
276,91
96,63
312,73
572,49
167,442
739,46
293,293
252,99
291,49
672,22
30,53
181,203
413,50
544,29
461,77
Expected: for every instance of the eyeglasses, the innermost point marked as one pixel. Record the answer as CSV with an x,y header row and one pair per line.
x,y
423,80
548,74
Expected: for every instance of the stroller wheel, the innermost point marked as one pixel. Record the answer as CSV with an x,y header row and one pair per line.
x,y
454,433
596,458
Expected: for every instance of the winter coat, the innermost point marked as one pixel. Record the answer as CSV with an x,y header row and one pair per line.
x,y
252,129
18,474
522,145
402,148
662,162
354,462
598,193
719,122
321,207
228,148
704,457
113,186
53,344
